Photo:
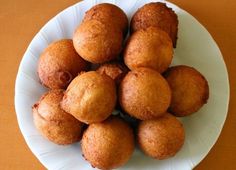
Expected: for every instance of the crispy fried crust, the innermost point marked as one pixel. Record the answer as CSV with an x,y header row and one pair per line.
x,y
97,42
90,97
54,123
190,90
59,64
144,94
115,70
150,48
161,138
108,13
158,15
109,144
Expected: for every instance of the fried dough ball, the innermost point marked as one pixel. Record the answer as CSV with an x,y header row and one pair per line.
x,y
156,14
59,64
115,70
144,94
109,144
90,97
108,13
161,138
54,123
150,48
97,42
190,90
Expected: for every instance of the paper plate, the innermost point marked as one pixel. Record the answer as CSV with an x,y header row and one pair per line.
x,y
195,47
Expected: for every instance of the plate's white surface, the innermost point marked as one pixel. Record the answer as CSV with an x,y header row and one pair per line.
x,y
195,47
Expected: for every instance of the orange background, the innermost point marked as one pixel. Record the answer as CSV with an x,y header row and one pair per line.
x,y
21,20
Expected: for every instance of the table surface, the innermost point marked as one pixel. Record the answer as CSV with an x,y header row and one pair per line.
x,y
21,20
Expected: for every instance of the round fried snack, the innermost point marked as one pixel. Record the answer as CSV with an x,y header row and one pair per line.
x,y
108,13
109,144
150,48
54,123
90,97
161,138
190,90
116,71
156,14
144,94
59,64
97,42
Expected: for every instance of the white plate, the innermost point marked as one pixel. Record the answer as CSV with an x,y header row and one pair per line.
x,y
195,47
